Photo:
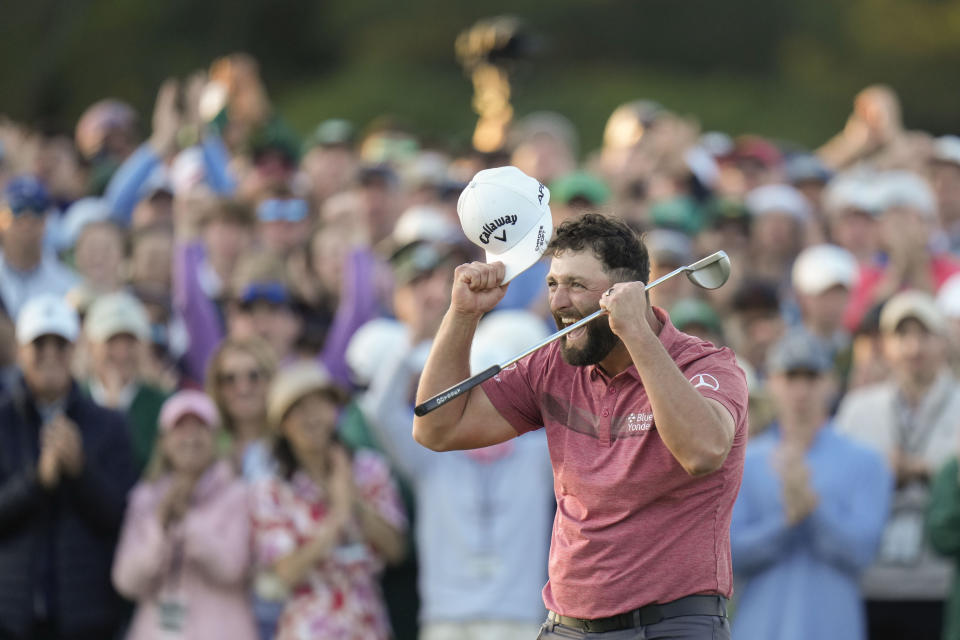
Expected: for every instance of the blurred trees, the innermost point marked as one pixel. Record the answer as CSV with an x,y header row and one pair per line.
x,y
780,68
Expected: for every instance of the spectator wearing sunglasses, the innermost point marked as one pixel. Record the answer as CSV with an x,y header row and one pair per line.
x,y
238,377
283,223
26,269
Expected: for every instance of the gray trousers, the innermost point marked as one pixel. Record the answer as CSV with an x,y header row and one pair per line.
x,y
679,628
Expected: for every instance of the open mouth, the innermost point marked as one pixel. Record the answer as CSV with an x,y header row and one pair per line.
x,y
575,334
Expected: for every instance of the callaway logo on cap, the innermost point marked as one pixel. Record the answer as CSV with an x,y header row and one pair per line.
x,y
506,213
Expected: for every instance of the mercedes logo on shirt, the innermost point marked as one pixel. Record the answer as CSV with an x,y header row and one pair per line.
x,y
705,380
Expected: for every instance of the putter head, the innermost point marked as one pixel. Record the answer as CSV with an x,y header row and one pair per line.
x,y
711,272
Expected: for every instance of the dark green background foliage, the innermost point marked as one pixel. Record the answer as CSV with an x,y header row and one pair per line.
x,y
786,69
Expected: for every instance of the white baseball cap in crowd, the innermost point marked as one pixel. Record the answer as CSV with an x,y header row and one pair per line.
x,y
506,213
823,266
114,314
373,344
47,314
906,189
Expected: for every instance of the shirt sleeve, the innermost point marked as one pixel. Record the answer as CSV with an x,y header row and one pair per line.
x,y
718,376
513,393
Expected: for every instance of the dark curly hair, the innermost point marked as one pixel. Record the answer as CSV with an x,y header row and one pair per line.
x,y
613,242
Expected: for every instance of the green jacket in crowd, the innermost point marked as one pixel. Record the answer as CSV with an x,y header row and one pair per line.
x,y
943,527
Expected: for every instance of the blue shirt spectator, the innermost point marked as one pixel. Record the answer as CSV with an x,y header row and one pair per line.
x,y
810,513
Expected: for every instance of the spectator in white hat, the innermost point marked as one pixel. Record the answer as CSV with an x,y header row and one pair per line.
x,y
780,218
117,333
907,222
823,276
65,472
912,420
851,205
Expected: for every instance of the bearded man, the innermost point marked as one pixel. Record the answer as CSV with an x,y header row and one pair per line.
x,y
646,428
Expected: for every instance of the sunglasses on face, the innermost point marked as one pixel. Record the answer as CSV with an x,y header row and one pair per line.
x,y
276,210
230,378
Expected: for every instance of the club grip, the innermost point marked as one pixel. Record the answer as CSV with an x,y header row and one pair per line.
x,y
456,390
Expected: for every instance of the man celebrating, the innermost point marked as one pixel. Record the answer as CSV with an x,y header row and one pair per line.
x,y
646,428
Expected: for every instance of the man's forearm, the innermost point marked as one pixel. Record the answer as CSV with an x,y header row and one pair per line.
x,y
689,424
447,364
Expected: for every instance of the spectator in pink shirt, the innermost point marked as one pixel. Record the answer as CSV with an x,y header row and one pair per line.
x,y
184,553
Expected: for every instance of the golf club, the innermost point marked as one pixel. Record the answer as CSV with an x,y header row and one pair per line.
x,y
708,273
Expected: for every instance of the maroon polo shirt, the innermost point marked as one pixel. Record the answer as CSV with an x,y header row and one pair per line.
x,y
632,527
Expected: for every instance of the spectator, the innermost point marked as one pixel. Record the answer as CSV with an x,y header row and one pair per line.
x,y
282,223
326,522
908,218
755,323
26,269
697,318
263,305
238,377
874,134
330,160
117,334
482,548
912,420
852,203
99,256
64,474
545,146
184,555
945,176
823,276
780,219
151,255
810,512
202,271
943,527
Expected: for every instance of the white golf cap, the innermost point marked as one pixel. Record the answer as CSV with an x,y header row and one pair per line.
x,y
823,266
114,314
506,213
47,314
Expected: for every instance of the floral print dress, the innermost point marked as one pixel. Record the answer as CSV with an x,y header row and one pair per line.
x,y
340,598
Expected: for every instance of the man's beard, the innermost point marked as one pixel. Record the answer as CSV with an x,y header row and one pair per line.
x,y
600,341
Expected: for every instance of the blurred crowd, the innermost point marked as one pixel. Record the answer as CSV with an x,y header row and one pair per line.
x,y
211,331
